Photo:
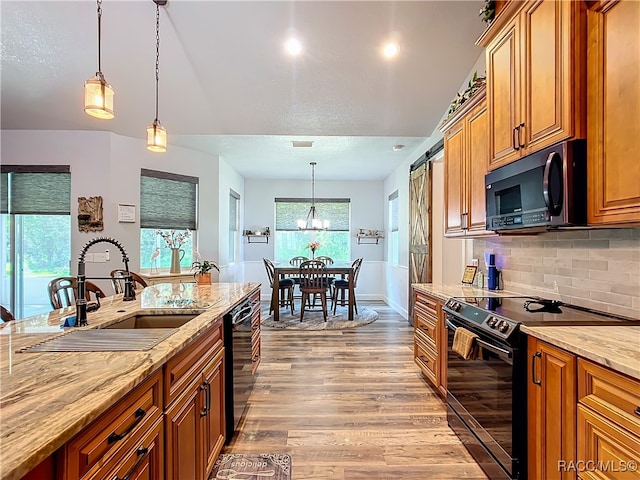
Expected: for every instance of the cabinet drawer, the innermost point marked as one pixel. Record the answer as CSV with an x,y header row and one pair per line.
x,y
179,370
429,305
104,437
139,459
610,394
426,359
427,327
605,451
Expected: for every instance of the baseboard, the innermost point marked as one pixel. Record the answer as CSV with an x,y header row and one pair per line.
x,y
397,307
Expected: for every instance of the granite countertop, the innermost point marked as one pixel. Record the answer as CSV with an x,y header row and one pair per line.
x,y
46,398
616,347
611,346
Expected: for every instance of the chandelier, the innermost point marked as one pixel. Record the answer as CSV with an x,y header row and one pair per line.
x,y
312,221
98,94
156,133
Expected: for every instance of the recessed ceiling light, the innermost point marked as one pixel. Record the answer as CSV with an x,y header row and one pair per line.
x,y
293,46
391,50
398,147
302,143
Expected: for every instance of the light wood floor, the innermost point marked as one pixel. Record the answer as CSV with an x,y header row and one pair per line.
x,y
351,404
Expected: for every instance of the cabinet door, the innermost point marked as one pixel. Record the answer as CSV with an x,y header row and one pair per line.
x,y
183,425
613,107
551,412
503,61
454,206
477,166
214,420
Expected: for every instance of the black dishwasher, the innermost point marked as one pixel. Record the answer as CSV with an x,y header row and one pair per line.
x,y
237,364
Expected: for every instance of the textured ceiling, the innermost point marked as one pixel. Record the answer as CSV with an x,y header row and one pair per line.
x,y
227,88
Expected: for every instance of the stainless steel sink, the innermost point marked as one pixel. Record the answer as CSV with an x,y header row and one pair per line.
x,y
146,320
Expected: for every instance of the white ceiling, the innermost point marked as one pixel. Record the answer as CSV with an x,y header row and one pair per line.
x,y
226,86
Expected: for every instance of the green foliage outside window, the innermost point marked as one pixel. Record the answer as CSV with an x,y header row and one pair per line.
x,y
293,243
150,241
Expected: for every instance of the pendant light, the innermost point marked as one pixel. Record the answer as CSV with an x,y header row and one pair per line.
x,y
98,94
312,221
156,134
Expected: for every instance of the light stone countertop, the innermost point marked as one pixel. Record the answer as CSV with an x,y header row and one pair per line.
x,y
46,398
616,347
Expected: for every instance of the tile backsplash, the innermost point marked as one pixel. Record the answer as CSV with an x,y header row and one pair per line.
x,y
597,269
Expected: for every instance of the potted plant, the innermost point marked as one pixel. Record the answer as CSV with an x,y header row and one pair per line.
x,y
202,271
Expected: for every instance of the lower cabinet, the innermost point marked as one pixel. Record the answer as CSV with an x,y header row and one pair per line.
x,y
551,412
256,349
429,344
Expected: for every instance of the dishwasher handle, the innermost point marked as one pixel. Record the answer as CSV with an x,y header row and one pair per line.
x,y
241,314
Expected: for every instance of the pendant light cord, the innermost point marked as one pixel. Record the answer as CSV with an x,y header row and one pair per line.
x,y
157,54
99,35
313,184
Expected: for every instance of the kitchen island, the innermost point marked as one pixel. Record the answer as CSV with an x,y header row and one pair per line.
x,y
47,398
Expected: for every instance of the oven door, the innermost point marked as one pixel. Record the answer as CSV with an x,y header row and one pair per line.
x,y
480,393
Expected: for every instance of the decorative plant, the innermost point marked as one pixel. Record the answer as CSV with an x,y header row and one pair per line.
x,y
488,11
204,266
313,246
474,85
173,239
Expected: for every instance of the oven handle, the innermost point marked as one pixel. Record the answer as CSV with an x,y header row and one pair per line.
x,y
483,344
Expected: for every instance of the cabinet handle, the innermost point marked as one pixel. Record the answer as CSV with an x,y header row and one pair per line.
x,y
255,358
520,128
142,452
637,411
116,437
207,398
533,368
513,139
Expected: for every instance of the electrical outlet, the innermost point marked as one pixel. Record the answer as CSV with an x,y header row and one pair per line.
x,y
88,257
474,262
555,287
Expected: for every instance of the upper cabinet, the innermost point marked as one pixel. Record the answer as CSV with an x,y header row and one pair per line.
x,y
536,68
613,106
466,156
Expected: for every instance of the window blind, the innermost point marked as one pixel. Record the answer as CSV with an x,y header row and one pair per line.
x,y
35,189
168,200
290,210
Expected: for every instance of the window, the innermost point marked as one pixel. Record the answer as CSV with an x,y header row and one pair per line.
x,y
35,219
234,202
168,201
394,247
291,242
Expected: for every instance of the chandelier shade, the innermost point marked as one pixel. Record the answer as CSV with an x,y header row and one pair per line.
x,y
98,94
312,222
156,133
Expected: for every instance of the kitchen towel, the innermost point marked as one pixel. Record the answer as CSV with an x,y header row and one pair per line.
x,y
464,344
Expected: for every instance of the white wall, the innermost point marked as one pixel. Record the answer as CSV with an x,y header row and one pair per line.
x,y
367,211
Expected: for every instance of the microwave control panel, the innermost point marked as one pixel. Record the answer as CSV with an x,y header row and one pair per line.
x,y
521,219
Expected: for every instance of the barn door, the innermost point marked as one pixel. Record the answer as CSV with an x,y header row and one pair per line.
x,y
419,228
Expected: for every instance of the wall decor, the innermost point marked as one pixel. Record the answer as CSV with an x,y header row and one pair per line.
x,y
90,214
469,274
126,213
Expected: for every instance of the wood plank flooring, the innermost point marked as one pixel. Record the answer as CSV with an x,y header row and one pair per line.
x,y
351,404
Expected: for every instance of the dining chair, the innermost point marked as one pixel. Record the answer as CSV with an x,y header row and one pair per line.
x,y
63,292
285,287
5,314
117,280
341,286
325,260
328,261
313,281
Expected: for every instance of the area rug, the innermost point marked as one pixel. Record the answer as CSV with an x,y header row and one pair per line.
x,y
252,466
313,320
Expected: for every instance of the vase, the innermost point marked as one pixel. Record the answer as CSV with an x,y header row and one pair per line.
x,y
313,254
176,257
203,278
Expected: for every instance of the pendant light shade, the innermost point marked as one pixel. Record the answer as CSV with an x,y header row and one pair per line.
x,y
312,222
156,133
98,94
156,137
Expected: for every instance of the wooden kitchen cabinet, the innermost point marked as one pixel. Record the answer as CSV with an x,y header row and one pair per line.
x,y
613,109
608,423
194,417
536,68
430,346
466,163
551,415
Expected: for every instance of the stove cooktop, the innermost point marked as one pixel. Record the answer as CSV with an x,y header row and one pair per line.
x,y
502,316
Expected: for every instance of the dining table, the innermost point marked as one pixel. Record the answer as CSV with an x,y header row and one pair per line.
x,y
344,269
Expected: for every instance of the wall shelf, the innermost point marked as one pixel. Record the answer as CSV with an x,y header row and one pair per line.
x,y
254,237
368,239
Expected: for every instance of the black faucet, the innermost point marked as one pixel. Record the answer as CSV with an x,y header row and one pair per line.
x,y
81,301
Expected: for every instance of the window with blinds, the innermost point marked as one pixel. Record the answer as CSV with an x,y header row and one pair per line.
x,y
394,247
168,201
291,242
234,221
35,190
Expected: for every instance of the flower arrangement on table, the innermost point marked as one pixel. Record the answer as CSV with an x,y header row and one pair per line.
x,y
173,239
313,246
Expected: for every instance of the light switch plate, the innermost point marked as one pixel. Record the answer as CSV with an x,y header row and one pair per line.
x,y
88,257
100,257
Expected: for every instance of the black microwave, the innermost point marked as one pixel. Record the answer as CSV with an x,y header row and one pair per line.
x,y
544,190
